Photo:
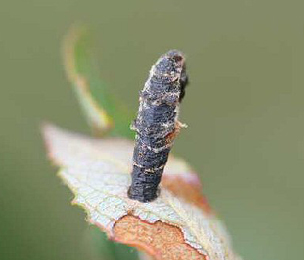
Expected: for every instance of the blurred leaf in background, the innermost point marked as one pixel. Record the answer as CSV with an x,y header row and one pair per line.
x,y
102,110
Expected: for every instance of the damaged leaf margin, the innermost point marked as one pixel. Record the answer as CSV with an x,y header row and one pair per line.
x,y
98,173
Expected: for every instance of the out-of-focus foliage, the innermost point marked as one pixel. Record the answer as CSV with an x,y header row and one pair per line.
x,y
102,110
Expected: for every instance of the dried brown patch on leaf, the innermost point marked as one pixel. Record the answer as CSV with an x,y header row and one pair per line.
x,y
161,240
183,182
185,190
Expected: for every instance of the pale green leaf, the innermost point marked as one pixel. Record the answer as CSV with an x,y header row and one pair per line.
x,y
97,171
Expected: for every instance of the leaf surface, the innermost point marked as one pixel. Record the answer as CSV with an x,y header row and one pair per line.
x,y
174,226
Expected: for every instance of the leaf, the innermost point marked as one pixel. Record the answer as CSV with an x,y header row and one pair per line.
x,y
174,226
100,108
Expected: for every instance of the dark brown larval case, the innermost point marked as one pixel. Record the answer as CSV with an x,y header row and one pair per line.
x,y
156,124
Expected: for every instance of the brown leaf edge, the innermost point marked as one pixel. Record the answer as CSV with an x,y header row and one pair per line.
x,y
188,191
160,240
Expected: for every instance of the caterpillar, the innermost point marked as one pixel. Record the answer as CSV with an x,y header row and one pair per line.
x,y
157,124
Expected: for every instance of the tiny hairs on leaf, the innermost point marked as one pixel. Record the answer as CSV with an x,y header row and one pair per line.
x,y
157,124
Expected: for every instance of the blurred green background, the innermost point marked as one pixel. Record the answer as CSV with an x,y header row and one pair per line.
x,y
244,109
